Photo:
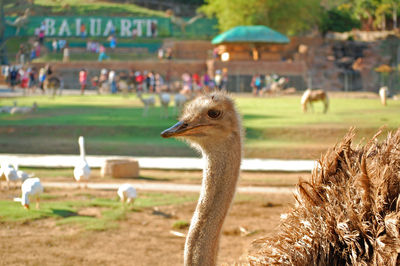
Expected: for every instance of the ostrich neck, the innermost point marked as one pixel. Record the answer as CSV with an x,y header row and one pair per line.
x,y
220,176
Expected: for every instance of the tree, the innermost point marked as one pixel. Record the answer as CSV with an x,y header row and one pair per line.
x,y
287,16
337,20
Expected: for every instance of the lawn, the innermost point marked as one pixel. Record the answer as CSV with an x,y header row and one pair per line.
x,y
86,210
275,126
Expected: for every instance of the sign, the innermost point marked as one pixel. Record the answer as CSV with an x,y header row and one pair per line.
x,y
124,27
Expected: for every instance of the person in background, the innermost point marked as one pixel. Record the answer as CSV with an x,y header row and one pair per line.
x,y
224,80
32,54
41,36
168,53
113,42
206,83
160,53
32,79
13,77
37,48
102,53
139,78
218,78
42,77
159,82
83,80
82,30
112,81
153,28
54,45
256,84
66,54
20,57
24,75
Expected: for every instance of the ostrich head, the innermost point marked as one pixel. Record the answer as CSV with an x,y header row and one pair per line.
x,y
207,121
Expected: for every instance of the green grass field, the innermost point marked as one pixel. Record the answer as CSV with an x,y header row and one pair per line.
x,y
275,127
72,212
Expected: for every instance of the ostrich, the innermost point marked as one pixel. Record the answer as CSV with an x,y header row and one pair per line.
x,y
165,98
82,169
347,214
147,102
383,93
20,22
310,96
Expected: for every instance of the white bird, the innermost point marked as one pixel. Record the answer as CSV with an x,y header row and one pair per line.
x,y
22,175
9,173
127,193
31,189
82,169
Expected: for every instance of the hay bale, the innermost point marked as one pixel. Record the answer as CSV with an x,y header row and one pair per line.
x,y
120,168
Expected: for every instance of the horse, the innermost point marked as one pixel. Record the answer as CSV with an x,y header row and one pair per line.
x,y
383,94
311,96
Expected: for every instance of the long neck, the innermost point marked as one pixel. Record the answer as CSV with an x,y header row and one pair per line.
x,y
25,198
82,149
218,189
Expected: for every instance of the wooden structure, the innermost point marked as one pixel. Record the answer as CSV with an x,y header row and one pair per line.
x,y
250,43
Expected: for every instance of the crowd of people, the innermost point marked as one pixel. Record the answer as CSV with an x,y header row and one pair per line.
x,y
26,77
109,81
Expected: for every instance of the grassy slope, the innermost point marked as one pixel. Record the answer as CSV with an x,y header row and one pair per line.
x,y
114,125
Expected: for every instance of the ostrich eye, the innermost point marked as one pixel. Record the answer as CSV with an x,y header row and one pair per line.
x,y
212,113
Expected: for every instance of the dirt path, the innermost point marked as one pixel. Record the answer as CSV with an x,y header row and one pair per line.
x,y
165,187
142,238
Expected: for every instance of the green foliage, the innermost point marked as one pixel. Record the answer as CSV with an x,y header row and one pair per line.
x,y
338,21
180,224
372,13
287,16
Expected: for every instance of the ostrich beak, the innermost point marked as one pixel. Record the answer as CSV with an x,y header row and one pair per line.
x,y
175,130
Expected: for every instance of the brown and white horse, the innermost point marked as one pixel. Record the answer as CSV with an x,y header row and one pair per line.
x,y
311,96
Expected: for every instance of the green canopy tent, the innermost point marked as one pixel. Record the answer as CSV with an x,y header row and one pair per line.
x,y
250,43
250,34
